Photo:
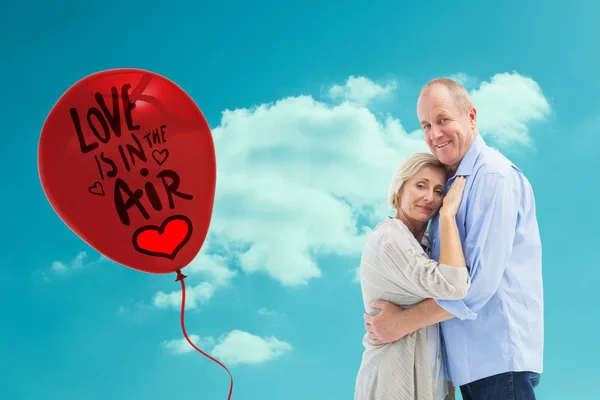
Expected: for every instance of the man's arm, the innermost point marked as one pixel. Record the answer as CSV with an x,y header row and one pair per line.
x,y
393,322
490,229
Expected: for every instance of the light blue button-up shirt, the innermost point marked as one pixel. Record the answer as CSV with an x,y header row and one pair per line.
x,y
499,325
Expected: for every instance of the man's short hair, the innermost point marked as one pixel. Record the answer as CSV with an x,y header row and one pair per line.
x,y
458,92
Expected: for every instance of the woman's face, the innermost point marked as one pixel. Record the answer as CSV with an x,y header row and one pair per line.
x,y
421,196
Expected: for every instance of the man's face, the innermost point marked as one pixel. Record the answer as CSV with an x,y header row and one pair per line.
x,y
448,132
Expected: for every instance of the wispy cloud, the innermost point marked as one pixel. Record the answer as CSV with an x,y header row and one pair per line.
x,y
361,90
464,79
79,262
265,312
194,296
61,268
213,267
138,312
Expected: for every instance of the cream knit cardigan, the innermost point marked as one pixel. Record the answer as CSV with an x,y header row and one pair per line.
x,y
394,267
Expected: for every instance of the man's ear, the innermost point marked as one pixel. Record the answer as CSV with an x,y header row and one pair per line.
x,y
473,117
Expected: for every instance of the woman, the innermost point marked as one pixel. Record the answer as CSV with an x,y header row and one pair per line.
x,y
396,267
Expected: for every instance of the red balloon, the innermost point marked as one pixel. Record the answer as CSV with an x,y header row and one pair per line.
x,y
127,161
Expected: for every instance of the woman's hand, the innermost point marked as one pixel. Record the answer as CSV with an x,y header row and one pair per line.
x,y
453,199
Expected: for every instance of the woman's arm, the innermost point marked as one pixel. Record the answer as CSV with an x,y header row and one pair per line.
x,y
394,262
451,252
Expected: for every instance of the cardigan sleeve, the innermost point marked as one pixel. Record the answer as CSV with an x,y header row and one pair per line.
x,y
394,262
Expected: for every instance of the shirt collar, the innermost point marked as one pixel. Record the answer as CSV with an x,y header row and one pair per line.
x,y
468,162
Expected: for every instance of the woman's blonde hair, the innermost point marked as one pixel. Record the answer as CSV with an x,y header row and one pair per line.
x,y
407,170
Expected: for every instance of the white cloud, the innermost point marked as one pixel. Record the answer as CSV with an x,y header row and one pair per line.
x,y
238,347
506,105
360,90
294,176
234,348
182,346
194,296
212,267
79,262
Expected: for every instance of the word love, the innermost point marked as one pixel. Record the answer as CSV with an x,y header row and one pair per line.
x,y
104,117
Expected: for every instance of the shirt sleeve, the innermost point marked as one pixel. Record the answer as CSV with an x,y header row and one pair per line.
x,y
490,224
397,265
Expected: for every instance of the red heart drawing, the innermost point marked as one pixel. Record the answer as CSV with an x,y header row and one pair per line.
x,y
97,189
160,156
163,241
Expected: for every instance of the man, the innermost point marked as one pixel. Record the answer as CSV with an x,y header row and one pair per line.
x,y
493,338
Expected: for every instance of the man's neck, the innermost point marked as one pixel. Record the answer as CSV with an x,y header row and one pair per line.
x,y
454,167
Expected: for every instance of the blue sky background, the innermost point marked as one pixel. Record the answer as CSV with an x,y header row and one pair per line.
x,y
274,289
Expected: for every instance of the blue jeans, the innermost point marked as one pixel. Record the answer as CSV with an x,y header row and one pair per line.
x,y
506,386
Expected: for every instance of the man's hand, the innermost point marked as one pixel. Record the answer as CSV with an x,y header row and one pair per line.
x,y
388,326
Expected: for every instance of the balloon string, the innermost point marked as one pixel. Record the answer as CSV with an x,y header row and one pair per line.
x,y
181,277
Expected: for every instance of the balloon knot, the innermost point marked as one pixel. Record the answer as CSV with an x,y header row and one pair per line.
x,y
180,276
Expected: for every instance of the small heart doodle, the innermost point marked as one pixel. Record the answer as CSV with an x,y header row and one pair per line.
x,y
97,189
163,241
160,156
